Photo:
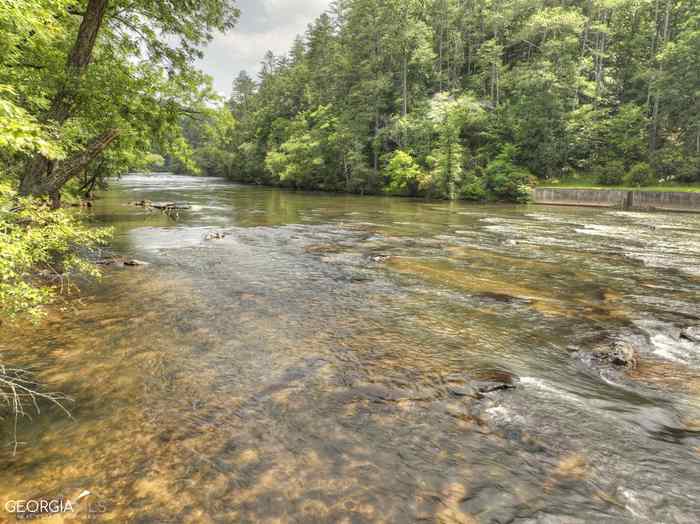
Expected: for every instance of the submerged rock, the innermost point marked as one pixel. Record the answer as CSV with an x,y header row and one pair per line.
x,y
488,381
163,206
380,393
610,349
618,353
215,235
322,249
466,390
134,262
691,333
499,297
170,206
120,262
478,382
379,258
623,354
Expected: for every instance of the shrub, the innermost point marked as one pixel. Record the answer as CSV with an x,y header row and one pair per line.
x,y
640,175
673,163
506,181
610,174
37,246
403,173
473,187
689,171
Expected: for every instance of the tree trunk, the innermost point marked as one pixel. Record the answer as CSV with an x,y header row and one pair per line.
x,y
653,138
37,179
601,46
494,72
404,79
654,36
58,173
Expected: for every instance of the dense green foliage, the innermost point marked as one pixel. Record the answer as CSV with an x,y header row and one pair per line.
x,y
39,251
88,89
639,175
136,81
423,97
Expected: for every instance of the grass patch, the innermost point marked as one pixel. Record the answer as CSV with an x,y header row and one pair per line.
x,y
584,182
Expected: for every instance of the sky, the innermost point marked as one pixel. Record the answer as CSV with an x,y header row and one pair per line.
x,y
263,25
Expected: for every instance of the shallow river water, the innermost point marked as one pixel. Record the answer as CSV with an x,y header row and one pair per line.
x,y
364,359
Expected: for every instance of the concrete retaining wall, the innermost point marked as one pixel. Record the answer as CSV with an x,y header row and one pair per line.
x,y
636,200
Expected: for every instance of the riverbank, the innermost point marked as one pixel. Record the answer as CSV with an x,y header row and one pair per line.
x,y
639,200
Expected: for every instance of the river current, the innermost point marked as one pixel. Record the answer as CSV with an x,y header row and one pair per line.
x,y
356,359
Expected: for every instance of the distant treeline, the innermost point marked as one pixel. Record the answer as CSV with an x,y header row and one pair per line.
x,y
468,99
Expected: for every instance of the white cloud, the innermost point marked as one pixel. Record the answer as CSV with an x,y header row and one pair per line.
x,y
264,24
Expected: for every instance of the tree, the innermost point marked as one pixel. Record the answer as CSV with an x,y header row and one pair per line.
x,y
405,176
449,116
308,156
243,90
115,32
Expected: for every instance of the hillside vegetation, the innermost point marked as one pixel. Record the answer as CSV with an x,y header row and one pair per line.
x,y
468,99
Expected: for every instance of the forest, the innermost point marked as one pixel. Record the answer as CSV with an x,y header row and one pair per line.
x,y
469,99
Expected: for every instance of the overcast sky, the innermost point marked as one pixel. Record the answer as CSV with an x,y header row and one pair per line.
x,y
264,24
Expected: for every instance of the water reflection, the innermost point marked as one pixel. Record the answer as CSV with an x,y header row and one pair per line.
x,y
346,359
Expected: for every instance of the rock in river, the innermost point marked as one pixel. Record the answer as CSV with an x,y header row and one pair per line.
x,y
691,333
134,262
215,235
618,353
487,381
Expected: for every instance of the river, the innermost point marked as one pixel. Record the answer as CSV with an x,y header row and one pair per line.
x,y
364,359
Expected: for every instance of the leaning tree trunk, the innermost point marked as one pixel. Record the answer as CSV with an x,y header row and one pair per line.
x,y
41,178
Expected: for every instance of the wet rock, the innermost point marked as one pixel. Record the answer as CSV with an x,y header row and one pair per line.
x,y
463,391
479,382
488,381
322,249
163,206
457,410
108,261
359,277
170,206
378,393
691,333
574,465
611,349
499,297
608,295
460,386
133,262
618,353
215,235
120,262
623,354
